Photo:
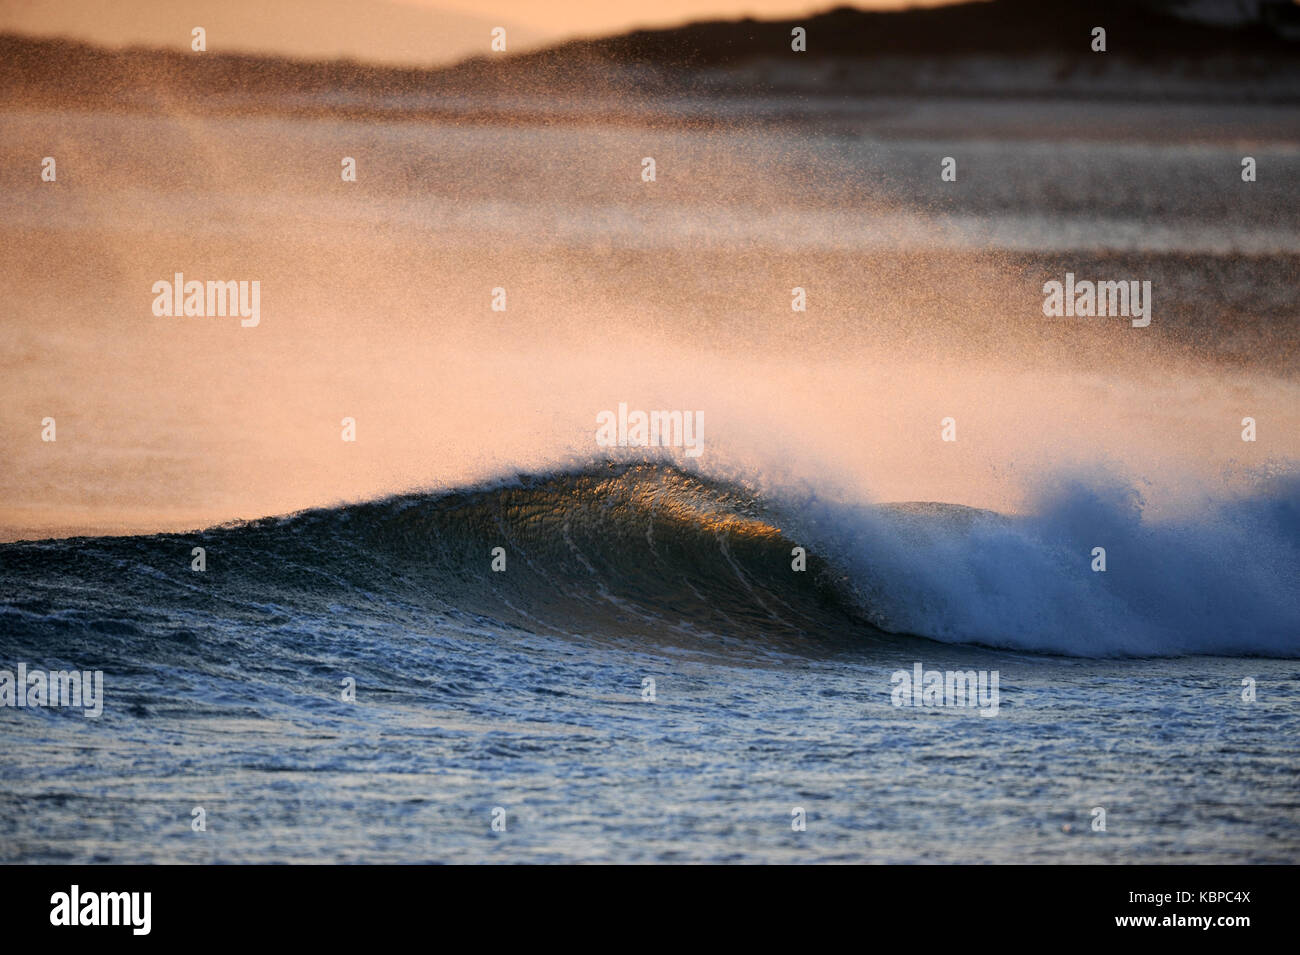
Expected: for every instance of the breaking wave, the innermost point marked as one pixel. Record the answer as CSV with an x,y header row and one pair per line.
x,y
650,551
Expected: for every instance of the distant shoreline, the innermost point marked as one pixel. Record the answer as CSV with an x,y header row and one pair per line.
x,y
1004,49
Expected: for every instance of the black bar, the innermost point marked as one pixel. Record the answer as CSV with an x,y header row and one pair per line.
x,y
949,905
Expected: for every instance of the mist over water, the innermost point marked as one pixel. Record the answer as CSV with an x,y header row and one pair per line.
x,y
666,295
672,295
675,294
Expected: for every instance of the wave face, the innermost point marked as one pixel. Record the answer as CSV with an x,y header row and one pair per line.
x,y
636,552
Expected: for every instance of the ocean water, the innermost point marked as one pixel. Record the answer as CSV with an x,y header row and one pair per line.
x,y
525,690
1162,692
